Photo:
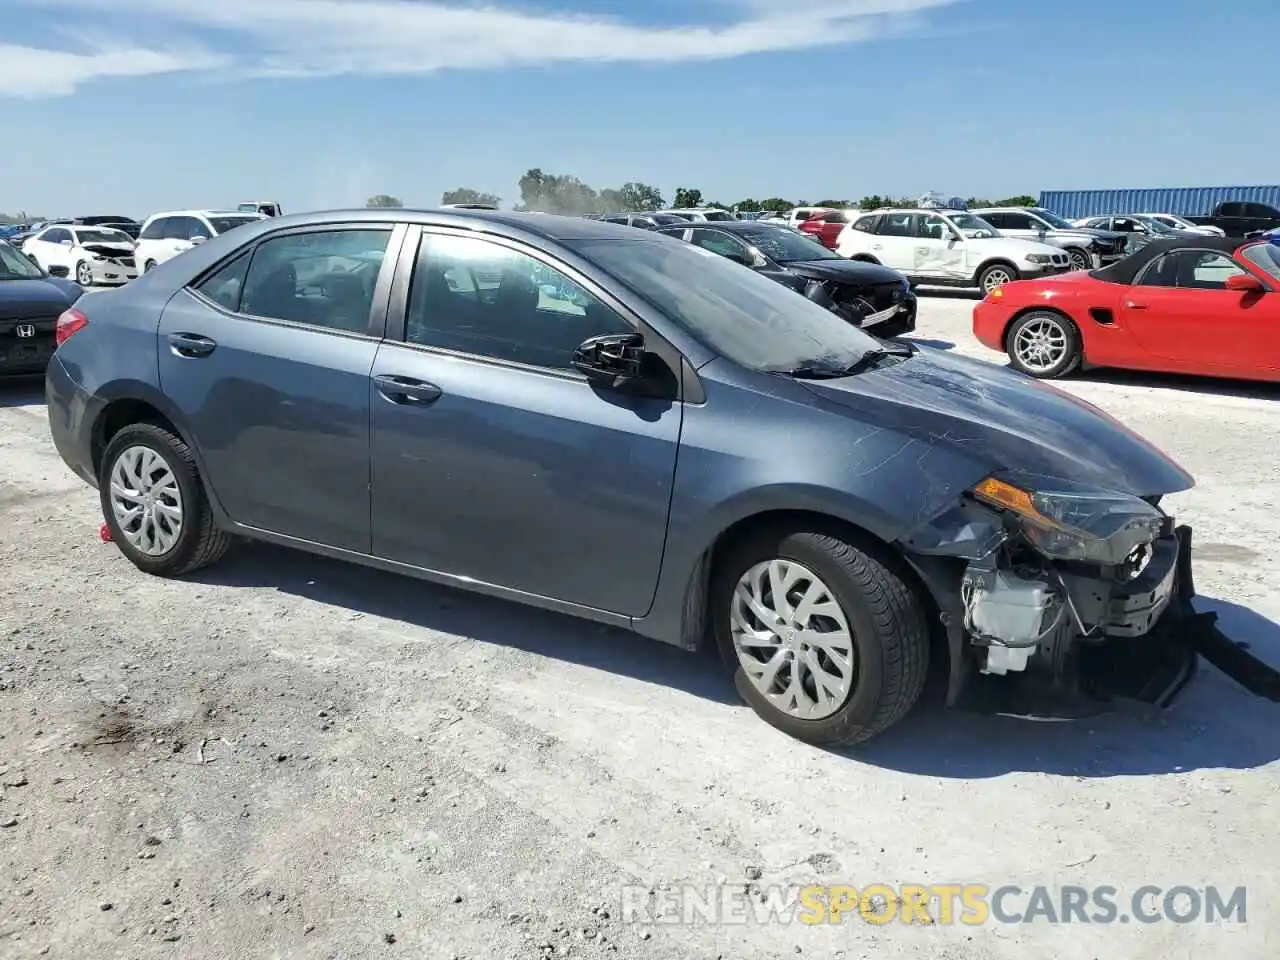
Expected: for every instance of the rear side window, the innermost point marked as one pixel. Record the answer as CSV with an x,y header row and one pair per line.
x,y
225,284
1231,209
323,279
155,229
897,225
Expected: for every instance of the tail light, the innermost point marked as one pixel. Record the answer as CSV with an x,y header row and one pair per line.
x,y
70,323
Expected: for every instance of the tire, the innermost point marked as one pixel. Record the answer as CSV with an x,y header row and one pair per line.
x,y
996,274
198,541
84,274
1080,259
148,266
887,631
1049,329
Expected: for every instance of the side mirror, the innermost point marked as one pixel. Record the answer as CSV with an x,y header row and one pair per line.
x,y
611,358
1245,283
196,240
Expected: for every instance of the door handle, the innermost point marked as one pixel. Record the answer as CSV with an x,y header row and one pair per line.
x,y
876,246
406,389
191,345
1132,305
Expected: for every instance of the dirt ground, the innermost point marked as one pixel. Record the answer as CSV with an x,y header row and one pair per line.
x,y
287,757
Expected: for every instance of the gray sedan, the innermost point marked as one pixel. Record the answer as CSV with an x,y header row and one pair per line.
x,y
630,429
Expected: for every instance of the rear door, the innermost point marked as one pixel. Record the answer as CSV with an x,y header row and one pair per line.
x,y
894,244
268,357
1180,311
493,458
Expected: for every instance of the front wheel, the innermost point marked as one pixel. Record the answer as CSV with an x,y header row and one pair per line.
x,y
996,275
825,641
84,274
154,504
1080,259
148,266
1044,344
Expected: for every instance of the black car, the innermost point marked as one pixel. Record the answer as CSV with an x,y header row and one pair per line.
x,y
99,220
868,295
645,221
30,303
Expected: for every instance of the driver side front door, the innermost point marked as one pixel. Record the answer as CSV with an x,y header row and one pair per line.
x,y
939,253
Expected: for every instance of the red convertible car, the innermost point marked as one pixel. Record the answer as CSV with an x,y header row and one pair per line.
x,y
1199,305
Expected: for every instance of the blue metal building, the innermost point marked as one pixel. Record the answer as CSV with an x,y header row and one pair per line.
x,y
1183,201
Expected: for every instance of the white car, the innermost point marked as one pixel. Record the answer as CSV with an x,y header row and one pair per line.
x,y
700,214
165,235
1181,223
87,255
947,248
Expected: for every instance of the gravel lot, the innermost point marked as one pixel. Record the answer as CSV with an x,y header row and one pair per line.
x,y
392,769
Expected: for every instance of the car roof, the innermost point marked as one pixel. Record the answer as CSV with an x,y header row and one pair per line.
x,y
206,213
547,226
1128,268
730,226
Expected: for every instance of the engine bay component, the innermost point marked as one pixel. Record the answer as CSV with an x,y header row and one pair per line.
x,y
1005,609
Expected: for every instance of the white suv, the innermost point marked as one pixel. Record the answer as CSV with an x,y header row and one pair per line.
x,y
165,235
947,248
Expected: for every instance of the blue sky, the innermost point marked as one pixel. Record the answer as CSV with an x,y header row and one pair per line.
x,y
131,106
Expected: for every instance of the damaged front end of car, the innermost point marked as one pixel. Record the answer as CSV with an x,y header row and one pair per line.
x,y
1082,590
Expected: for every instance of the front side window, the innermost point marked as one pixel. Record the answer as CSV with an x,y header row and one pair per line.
x,y
897,225
739,314
1231,209
1051,218
478,297
177,228
56,235
932,228
1191,270
324,279
1019,221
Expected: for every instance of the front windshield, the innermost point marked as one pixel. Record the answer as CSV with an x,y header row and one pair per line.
x,y
15,265
748,318
1051,218
1154,225
971,224
100,235
784,245
223,224
1266,256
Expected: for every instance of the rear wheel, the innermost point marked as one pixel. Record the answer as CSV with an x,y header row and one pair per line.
x,y
826,641
1044,344
154,504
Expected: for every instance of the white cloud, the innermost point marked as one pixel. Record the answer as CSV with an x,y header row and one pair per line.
x,y
408,37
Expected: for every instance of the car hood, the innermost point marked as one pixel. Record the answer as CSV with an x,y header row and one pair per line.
x,y
1015,423
23,299
844,271
1087,232
121,249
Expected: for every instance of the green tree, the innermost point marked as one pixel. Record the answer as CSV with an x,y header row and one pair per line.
x,y
1022,200
749,205
834,204
382,200
687,197
776,204
556,193
467,195
637,196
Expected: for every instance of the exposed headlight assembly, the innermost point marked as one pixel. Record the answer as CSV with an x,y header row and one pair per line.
x,y
1069,521
1039,258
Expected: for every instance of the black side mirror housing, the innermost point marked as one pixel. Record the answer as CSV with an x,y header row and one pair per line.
x,y
612,358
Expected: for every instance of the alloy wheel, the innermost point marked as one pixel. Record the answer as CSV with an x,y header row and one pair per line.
x,y
1041,344
84,274
792,639
1079,260
146,500
996,277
